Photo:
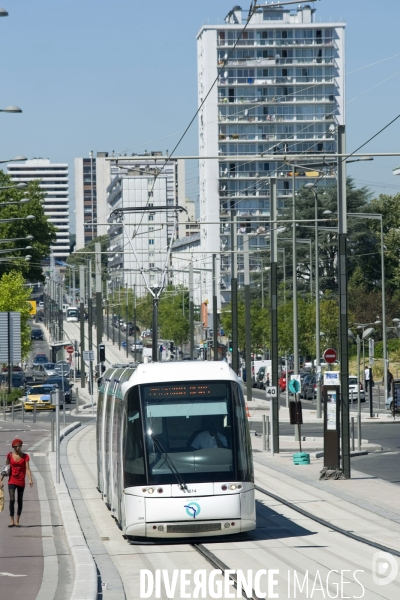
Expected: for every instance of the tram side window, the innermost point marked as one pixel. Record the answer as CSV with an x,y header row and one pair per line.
x,y
244,453
134,467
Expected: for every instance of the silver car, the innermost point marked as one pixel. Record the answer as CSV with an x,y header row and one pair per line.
x,y
43,371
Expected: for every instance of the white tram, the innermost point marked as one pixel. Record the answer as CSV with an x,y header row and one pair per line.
x,y
173,450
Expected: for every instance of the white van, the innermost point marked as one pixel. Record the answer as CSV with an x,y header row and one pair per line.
x,y
255,366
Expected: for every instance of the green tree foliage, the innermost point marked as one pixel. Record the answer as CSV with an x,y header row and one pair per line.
x,y
260,324
173,314
42,231
14,295
81,257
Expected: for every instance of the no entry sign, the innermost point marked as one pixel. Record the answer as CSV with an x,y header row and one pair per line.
x,y
70,349
330,355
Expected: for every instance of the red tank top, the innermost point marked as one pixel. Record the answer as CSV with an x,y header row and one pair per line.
x,y
18,469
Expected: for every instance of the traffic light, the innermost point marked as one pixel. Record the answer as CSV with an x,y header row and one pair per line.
x,y
102,353
171,346
230,345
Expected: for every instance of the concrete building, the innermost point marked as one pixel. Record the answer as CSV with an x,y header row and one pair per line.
x,y
132,184
54,181
182,255
92,177
188,224
279,91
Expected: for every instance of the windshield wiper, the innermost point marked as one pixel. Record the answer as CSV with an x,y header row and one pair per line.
x,y
182,485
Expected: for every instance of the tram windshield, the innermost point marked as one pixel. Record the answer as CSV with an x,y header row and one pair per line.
x,y
194,432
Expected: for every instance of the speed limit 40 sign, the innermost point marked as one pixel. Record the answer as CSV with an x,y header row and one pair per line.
x,y
271,392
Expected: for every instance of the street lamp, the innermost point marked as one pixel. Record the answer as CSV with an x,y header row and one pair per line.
x,y
11,109
22,201
28,218
19,186
15,159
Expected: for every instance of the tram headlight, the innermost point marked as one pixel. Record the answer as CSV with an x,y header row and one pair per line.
x,y
150,490
233,487
226,525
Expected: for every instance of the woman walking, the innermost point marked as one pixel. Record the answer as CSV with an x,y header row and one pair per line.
x,y
19,468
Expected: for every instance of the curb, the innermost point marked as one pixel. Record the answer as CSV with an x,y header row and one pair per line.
x,y
85,580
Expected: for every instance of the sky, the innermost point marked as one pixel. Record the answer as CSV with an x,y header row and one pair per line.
x,y
121,75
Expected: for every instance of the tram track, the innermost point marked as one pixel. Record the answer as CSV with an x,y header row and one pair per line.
x,y
325,523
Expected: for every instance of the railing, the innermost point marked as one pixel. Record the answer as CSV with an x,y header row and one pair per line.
x,y
273,118
277,42
277,100
260,62
274,80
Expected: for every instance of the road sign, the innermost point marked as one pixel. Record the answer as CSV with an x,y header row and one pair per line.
x,y
70,349
294,384
88,355
330,355
62,367
271,391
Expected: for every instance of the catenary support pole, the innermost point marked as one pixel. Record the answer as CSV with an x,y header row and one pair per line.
x,y
155,330
234,295
191,311
82,320
99,300
296,365
274,317
126,317
343,320
90,315
249,382
215,307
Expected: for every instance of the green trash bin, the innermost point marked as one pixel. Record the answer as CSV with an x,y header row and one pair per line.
x,y
301,458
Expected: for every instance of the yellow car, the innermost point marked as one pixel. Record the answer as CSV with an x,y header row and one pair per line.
x,y
39,395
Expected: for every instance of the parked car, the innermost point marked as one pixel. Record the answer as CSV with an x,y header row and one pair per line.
x,y
37,334
42,371
282,380
17,379
39,359
39,395
353,387
63,384
304,382
309,388
138,347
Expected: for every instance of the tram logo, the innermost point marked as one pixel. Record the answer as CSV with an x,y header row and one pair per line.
x,y
192,509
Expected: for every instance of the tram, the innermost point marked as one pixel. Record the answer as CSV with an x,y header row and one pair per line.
x,y
72,314
174,454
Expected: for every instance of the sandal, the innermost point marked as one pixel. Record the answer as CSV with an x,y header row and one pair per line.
x,y
12,525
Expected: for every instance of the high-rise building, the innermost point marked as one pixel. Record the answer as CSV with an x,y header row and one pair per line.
x,y
137,182
279,90
92,177
54,181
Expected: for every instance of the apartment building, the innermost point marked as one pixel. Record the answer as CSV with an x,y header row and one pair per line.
x,y
280,90
92,177
54,181
138,182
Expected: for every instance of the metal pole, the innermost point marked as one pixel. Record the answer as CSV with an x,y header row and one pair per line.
x,y
215,306
264,432
343,320
287,387
384,333
274,316
63,399
91,382
76,400
52,434
296,366
371,408
352,434
317,315
34,412
73,287
82,320
134,318
99,300
359,431
126,330
108,319
191,311
234,294
57,403
119,315
247,316
379,397
155,330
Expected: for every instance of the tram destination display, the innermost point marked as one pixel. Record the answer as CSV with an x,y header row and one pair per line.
x,y
168,391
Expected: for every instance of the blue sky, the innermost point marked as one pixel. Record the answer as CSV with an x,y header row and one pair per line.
x,y
120,75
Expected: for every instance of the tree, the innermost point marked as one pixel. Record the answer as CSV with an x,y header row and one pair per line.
x,y
81,256
14,296
173,314
42,231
